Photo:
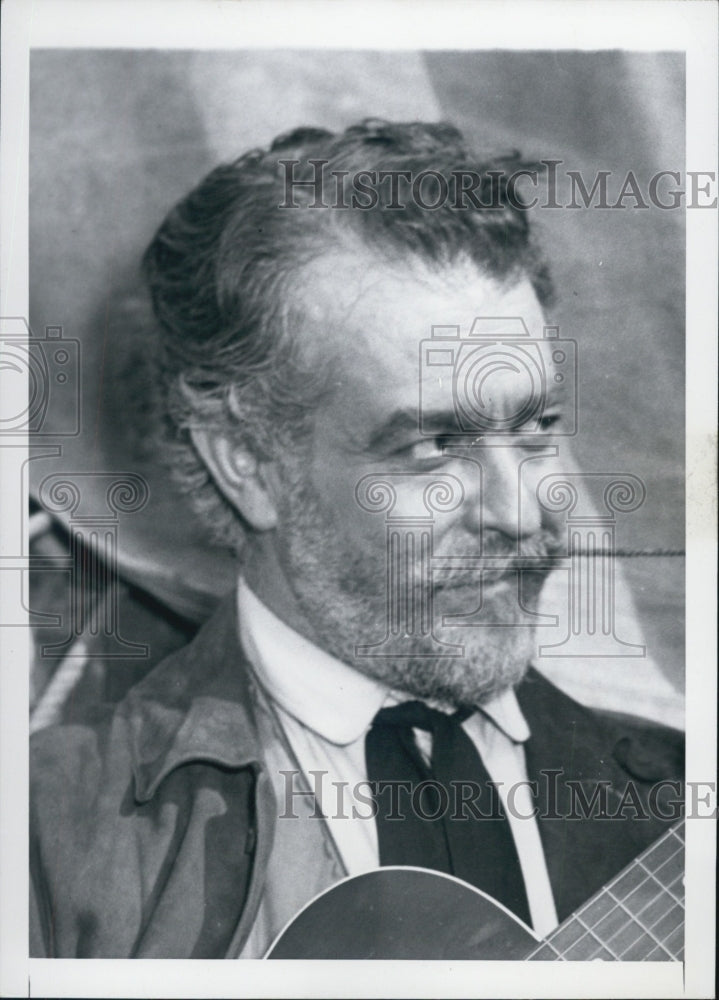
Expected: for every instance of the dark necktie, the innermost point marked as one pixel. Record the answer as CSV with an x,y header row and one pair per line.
x,y
424,822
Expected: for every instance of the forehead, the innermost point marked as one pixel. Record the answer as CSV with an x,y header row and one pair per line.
x,y
367,320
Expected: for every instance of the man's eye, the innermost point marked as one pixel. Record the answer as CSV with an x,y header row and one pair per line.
x,y
549,421
428,450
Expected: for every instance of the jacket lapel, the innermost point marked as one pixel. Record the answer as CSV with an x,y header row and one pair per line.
x,y
572,755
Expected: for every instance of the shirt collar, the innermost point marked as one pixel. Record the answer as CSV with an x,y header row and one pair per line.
x,y
504,711
323,693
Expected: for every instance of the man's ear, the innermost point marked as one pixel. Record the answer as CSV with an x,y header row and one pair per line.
x,y
244,481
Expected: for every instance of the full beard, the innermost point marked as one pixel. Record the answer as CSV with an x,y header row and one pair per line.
x,y
341,594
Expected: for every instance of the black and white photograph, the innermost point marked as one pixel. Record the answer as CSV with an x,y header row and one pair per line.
x,y
358,534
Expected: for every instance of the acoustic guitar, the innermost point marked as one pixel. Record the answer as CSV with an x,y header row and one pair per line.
x,y
414,913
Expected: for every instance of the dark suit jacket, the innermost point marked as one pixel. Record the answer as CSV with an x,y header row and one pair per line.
x,y
152,824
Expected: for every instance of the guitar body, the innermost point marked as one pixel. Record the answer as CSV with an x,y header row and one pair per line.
x,y
414,913
404,913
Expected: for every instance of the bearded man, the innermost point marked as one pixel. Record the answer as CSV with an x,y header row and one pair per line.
x,y
365,698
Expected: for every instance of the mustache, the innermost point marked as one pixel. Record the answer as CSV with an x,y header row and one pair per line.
x,y
461,559
543,544
499,550
464,562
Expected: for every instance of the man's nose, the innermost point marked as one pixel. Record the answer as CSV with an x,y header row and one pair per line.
x,y
505,497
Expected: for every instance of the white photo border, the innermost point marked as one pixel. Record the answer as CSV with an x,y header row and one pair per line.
x,y
638,25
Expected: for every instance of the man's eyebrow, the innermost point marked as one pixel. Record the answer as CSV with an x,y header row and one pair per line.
x,y
401,423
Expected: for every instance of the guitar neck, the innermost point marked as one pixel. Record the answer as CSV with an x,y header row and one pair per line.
x,y
638,916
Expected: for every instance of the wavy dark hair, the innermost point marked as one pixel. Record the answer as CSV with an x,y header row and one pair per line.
x,y
225,265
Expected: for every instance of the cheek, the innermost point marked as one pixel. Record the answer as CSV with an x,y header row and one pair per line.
x,y
555,469
449,532
334,483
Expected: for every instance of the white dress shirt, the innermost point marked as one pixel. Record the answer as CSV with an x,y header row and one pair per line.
x,y
326,707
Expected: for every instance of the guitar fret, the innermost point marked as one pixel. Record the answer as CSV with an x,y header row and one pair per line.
x,y
641,949
676,941
670,870
663,850
676,889
591,913
584,949
671,864
627,936
652,915
566,935
644,894
638,916
669,923
664,887
545,952
642,907
638,941
615,921
627,883
648,897
648,930
654,851
591,939
659,955
607,956
656,909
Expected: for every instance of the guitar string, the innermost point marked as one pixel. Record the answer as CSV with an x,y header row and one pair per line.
x,y
644,857
606,946
632,921
646,936
607,891
634,917
667,888
603,946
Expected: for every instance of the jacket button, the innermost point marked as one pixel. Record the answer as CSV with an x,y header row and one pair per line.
x,y
650,757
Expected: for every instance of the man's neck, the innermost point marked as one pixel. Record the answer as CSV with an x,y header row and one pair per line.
x,y
263,573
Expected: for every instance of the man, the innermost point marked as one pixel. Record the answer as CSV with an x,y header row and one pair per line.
x,y
386,511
